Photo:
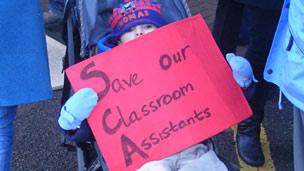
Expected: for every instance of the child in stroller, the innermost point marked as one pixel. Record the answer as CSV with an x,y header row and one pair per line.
x,y
78,107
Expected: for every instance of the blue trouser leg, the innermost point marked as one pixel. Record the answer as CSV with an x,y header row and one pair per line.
x,y
7,116
298,139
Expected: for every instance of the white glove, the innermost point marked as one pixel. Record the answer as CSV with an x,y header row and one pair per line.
x,y
77,108
241,69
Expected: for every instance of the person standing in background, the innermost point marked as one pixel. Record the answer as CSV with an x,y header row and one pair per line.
x,y
24,72
285,68
263,16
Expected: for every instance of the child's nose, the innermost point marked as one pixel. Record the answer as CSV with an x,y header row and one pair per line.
x,y
139,31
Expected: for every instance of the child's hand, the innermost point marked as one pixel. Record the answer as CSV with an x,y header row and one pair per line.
x,y
241,69
77,108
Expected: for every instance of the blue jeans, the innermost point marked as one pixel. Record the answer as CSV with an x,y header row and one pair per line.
x,y
7,116
298,139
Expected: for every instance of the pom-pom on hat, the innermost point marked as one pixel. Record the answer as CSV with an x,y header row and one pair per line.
x,y
132,13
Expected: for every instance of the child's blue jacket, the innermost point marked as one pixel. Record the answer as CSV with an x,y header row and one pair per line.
x,y
285,63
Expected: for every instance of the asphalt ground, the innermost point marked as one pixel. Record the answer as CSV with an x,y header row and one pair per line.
x,y
37,138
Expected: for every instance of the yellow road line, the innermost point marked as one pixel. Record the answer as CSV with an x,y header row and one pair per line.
x,y
268,166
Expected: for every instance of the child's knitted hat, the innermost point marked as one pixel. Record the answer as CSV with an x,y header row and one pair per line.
x,y
135,12
132,13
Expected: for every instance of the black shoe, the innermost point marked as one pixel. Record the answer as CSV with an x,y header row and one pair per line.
x,y
249,149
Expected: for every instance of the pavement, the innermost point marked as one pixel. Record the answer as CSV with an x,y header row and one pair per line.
x,y
56,52
37,139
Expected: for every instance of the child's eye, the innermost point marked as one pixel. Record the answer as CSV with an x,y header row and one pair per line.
x,y
130,29
148,26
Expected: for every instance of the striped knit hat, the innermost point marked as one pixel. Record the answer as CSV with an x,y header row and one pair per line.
x,y
132,13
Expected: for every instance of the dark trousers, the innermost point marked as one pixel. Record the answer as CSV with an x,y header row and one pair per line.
x,y
57,7
262,27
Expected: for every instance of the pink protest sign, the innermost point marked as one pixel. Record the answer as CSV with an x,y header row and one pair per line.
x,y
159,94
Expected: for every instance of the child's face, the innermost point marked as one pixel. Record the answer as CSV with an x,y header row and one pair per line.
x,y
136,31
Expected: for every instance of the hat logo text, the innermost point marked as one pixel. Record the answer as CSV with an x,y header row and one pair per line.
x,y
133,16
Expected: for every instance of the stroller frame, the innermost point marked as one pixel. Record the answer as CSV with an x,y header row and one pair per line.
x,y
84,24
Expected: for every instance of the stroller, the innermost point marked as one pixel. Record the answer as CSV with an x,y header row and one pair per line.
x,y
86,22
